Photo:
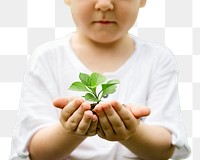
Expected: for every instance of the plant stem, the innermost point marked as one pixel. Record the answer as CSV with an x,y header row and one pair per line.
x,y
99,97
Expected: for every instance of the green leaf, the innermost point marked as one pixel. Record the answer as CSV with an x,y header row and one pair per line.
x,y
92,89
113,81
97,79
85,79
91,97
104,86
109,83
78,86
109,89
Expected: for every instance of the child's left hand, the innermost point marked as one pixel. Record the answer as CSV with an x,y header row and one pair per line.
x,y
117,122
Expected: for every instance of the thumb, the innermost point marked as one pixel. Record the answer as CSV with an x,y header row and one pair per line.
x,y
61,102
140,111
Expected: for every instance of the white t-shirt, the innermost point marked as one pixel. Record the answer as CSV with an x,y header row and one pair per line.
x,y
148,77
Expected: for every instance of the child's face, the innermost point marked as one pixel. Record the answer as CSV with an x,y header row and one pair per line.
x,y
104,21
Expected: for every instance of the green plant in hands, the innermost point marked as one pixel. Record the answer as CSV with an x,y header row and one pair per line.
x,y
91,85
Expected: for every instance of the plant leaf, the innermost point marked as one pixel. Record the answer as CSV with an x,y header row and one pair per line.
x,y
85,79
113,81
109,89
109,83
78,86
104,86
97,79
92,89
91,97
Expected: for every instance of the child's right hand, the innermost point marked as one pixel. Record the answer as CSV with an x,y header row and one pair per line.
x,y
76,116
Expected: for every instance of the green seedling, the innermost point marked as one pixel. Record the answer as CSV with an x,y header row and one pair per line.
x,y
94,87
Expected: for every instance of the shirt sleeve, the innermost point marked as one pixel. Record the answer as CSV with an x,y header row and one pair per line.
x,y
36,109
163,100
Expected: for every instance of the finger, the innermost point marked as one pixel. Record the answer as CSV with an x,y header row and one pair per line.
x,y
85,123
93,126
114,119
61,102
100,131
139,111
77,116
69,109
103,120
127,117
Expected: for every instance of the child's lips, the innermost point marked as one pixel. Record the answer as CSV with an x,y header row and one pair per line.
x,y
104,22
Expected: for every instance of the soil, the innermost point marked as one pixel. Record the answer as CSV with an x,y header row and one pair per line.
x,y
93,106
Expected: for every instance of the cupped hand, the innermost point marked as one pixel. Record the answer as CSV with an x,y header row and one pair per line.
x,y
117,122
76,116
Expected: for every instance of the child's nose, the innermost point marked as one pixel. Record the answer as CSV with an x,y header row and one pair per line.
x,y
104,5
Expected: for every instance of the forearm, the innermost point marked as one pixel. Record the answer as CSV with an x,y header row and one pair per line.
x,y
53,143
150,142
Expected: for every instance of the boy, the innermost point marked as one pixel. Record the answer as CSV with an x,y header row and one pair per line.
x,y
148,77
